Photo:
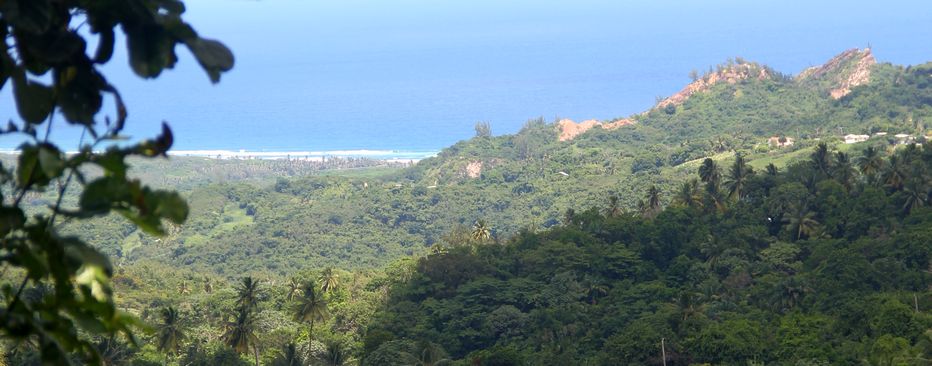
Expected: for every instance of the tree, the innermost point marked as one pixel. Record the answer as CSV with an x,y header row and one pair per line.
x,y
821,160
289,356
183,288
169,333
294,288
208,285
483,129
481,231
802,222
240,333
653,202
894,174
614,207
52,73
329,280
335,354
917,195
871,164
709,172
311,307
247,293
689,194
738,177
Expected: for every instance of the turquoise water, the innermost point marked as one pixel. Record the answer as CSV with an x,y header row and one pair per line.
x,y
416,75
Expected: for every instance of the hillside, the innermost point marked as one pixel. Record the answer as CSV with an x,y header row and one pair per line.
x,y
364,219
820,263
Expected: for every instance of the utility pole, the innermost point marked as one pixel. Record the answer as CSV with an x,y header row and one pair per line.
x,y
663,351
916,302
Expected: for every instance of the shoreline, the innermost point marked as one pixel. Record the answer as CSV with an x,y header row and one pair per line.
x,y
391,156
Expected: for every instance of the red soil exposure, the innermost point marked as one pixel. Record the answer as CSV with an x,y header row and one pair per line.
x,y
731,75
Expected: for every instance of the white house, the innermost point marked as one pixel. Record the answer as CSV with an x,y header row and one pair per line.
x,y
851,139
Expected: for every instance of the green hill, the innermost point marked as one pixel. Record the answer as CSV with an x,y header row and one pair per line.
x,y
531,178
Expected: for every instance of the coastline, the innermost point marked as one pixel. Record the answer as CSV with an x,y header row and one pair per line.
x,y
391,156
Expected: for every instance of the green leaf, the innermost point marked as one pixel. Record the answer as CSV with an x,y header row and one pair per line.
x,y
104,46
100,195
27,169
11,218
34,101
169,205
50,160
213,56
151,50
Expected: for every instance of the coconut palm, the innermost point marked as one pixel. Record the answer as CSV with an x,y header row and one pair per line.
x,y
240,333
184,289
871,164
653,202
821,159
801,222
738,177
481,231
894,174
335,354
289,356
614,207
429,354
709,172
329,280
294,288
169,333
248,293
772,170
843,171
569,217
689,194
311,307
917,195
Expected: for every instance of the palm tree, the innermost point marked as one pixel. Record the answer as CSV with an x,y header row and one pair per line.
x,y
429,354
240,333
294,288
311,307
821,159
335,354
183,289
248,293
801,222
653,202
772,170
689,194
916,195
738,177
709,172
289,356
481,231
329,280
169,333
843,171
870,164
614,207
894,176
569,217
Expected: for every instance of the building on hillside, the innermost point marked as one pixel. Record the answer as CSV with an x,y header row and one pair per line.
x,y
902,138
880,133
780,141
851,139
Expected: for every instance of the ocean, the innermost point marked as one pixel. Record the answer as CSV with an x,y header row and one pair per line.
x,y
409,77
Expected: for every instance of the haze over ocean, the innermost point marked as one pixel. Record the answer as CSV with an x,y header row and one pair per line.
x,y
416,75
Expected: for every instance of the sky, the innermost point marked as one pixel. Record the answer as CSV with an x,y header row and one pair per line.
x,y
418,74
